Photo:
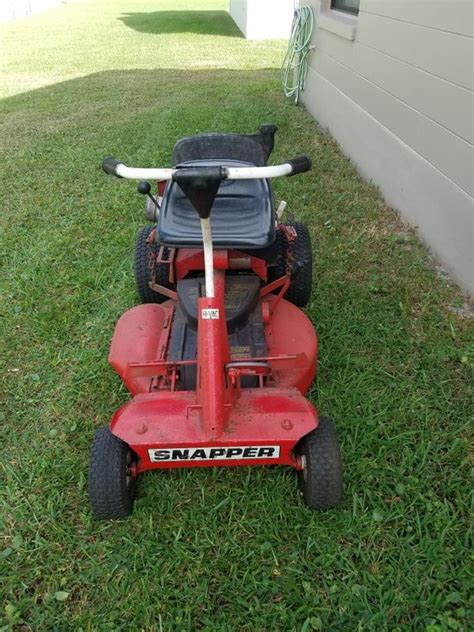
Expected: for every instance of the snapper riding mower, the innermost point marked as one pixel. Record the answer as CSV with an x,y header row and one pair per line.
x,y
219,355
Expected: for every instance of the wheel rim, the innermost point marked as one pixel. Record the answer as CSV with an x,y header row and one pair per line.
x,y
130,474
303,470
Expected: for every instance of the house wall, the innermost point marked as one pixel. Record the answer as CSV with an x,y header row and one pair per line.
x,y
238,12
263,19
394,86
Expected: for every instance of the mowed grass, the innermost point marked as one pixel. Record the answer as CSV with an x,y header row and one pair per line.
x,y
223,549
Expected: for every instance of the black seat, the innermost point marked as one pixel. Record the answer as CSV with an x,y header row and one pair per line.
x,y
242,216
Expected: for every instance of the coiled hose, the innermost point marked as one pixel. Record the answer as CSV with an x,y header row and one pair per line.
x,y
295,65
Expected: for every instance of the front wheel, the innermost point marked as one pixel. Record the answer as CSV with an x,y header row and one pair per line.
x,y
320,480
112,480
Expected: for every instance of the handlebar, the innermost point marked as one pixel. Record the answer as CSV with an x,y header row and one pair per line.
x,y
299,164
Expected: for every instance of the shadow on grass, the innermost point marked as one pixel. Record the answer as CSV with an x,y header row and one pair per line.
x,y
113,103
199,22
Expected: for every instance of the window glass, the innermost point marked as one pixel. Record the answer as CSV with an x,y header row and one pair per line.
x,y
350,6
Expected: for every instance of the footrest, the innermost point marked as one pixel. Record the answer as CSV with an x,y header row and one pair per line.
x,y
141,336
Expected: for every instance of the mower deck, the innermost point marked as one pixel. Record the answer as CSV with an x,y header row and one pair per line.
x,y
154,424
154,350
146,340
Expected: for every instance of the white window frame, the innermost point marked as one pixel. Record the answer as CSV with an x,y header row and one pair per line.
x,y
341,23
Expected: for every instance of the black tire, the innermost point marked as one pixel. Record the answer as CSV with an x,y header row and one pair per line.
x,y
321,479
299,291
142,269
111,485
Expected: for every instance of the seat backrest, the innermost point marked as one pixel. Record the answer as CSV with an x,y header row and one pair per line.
x,y
252,148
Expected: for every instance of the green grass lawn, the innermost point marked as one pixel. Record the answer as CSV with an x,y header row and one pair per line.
x,y
219,549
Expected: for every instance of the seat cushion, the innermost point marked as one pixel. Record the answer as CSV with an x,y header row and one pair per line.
x,y
242,216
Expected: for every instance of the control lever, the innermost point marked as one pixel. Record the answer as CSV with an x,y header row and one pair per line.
x,y
200,186
151,210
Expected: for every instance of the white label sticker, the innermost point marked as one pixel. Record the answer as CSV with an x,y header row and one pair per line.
x,y
210,314
215,453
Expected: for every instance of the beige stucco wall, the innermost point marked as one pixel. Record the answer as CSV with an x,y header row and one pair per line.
x,y
394,86
262,19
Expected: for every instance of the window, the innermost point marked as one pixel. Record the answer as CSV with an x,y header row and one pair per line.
x,y
349,6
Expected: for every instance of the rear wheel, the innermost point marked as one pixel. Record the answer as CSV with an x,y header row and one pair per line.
x,y
301,262
112,483
320,480
143,267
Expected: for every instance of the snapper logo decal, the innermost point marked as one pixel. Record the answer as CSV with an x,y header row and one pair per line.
x,y
214,454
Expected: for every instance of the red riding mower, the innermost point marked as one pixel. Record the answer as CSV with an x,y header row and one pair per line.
x,y
219,355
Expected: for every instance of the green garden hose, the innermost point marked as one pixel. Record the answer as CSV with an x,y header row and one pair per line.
x,y
295,64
